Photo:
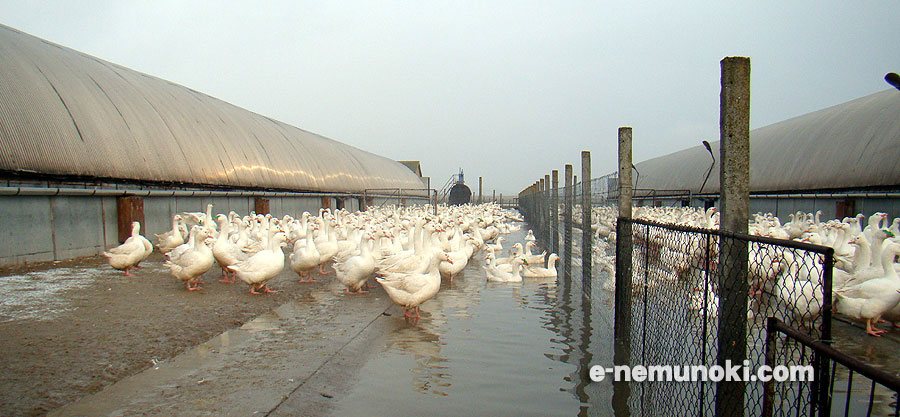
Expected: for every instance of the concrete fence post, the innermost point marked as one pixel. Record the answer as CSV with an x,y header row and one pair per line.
x,y
540,214
734,177
545,197
587,234
622,305
480,185
567,223
554,211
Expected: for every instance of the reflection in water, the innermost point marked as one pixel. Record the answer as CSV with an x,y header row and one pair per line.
x,y
430,373
492,349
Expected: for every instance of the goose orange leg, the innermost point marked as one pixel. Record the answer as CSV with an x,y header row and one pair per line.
x,y
872,330
226,279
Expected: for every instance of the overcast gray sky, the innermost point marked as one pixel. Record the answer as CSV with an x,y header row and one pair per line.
x,y
508,90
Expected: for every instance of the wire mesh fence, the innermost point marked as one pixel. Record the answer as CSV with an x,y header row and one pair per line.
x,y
680,313
696,296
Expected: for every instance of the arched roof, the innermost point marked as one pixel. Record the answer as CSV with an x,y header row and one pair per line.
x,y
851,145
63,112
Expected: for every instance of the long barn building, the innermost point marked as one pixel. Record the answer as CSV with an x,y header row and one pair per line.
x,y
86,146
842,160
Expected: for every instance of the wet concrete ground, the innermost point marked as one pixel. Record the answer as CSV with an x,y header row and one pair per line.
x,y
245,371
81,336
498,349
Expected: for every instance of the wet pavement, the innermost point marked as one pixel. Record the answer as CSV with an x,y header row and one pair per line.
x,y
479,348
482,348
244,371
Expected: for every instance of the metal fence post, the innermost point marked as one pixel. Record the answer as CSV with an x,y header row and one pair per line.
x,y
824,377
554,211
567,224
734,177
769,386
587,234
622,306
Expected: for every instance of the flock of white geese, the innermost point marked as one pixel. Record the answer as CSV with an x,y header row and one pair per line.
x,y
409,249
865,282
406,249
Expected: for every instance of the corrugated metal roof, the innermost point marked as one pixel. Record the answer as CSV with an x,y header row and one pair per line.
x,y
63,112
850,145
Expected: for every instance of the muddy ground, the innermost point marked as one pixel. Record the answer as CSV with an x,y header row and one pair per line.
x,y
69,329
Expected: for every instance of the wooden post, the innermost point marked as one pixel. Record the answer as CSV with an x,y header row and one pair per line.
x,y
129,209
734,177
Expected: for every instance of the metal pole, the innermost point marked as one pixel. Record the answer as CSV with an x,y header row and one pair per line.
x,y
554,211
567,224
622,306
734,177
587,234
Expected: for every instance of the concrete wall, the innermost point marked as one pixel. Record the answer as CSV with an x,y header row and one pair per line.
x,y
46,228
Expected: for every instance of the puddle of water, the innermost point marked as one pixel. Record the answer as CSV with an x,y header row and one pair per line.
x,y
491,349
38,295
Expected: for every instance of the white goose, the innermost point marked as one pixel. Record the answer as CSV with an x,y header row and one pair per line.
x,y
872,299
127,255
190,261
458,260
538,272
497,275
356,270
148,247
263,266
171,239
800,291
496,247
515,252
305,258
327,249
411,290
225,251
532,259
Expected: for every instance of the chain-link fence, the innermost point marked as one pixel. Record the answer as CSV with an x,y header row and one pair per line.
x,y
695,295
696,301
